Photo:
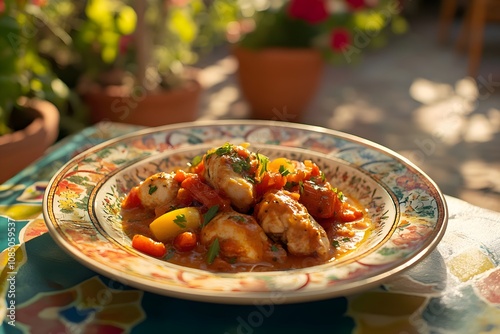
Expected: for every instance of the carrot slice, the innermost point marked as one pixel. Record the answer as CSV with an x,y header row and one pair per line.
x,y
148,246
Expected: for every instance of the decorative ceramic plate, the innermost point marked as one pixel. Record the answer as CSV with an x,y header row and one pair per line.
x,y
407,210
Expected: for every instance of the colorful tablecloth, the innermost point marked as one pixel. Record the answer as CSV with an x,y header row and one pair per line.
x,y
456,289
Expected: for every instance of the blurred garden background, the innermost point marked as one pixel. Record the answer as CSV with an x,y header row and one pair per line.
x,y
394,72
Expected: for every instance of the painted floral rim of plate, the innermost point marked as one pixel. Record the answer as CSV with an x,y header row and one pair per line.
x,y
79,201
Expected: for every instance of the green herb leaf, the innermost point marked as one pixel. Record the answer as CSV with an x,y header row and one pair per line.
x,y
213,251
180,220
283,171
340,194
196,161
335,244
274,248
209,215
152,189
250,179
170,254
346,239
239,166
290,185
238,219
263,161
224,149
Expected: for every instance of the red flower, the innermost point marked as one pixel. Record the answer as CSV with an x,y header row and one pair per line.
x,y
178,3
340,39
312,11
124,43
355,4
39,3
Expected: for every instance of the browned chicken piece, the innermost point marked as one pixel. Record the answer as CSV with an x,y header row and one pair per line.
x,y
241,239
285,219
158,190
226,171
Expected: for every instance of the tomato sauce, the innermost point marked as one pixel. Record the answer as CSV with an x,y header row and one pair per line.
x,y
344,239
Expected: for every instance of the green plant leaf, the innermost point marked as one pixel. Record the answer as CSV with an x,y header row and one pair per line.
x,y
399,25
126,20
183,25
99,11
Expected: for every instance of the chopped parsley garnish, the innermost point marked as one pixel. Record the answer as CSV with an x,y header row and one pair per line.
x,y
340,194
213,251
274,248
196,161
224,149
320,179
210,214
301,187
170,254
238,219
152,189
240,165
290,185
336,243
263,161
250,179
283,171
180,220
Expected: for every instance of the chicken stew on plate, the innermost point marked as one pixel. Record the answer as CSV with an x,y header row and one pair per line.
x,y
234,210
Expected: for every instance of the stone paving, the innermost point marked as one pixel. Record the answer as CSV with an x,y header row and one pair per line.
x,y
411,96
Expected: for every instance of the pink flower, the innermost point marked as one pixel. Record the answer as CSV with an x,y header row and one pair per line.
x,y
312,11
355,4
340,38
178,3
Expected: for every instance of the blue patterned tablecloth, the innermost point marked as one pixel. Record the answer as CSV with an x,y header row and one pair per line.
x,y
456,289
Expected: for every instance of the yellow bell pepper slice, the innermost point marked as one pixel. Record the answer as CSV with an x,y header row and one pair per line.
x,y
170,224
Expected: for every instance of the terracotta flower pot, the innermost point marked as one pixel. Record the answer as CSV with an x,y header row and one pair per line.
x,y
279,83
21,148
119,104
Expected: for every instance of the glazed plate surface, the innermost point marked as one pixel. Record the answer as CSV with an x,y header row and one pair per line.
x,y
408,211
